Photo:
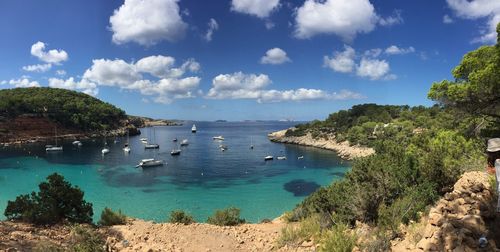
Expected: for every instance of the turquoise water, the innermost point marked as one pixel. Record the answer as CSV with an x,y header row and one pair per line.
x,y
198,181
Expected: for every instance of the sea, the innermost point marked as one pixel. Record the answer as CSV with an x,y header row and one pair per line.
x,y
199,181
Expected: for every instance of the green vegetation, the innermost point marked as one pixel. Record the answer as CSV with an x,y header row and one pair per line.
x,y
420,152
294,235
86,239
69,108
226,217
179,216
110,218
56,201
338,239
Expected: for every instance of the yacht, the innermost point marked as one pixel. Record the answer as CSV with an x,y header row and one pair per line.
x,y
151,146
54,148
184,142
281,158
175,152
150,162
266,158
193,129
218,138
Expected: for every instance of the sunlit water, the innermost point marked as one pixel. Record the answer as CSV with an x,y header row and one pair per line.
x,y
200,180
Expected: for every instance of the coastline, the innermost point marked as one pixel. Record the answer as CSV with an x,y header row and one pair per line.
x,y
343,149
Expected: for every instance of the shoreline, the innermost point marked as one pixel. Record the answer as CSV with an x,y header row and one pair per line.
x,y
343,149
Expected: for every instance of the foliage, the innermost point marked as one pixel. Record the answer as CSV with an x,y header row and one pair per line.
x,y
69,108
295,234
179,216
226,217
110,218
47,246
56,201
86,239
338,239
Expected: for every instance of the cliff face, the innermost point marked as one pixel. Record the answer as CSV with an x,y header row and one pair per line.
x,y
343,149
459,220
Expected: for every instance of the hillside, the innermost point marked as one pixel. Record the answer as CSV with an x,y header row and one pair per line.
x,y
35,112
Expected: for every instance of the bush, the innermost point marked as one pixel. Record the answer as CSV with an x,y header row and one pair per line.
x,y
47,246
226,217
56,201
338,239
179,216
86,239
110,218
295,234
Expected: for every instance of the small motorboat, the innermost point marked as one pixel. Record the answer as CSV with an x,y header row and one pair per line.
x,y
150,162
220,138
126,148
53,148
184,142
223,147
77,143
144,140
281,158
267,158
301,157
174,140
151,146
193,129
105,151
175,152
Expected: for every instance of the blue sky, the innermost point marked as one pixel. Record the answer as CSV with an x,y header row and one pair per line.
x,y
241,59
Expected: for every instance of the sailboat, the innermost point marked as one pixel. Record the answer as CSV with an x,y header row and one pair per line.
x,y
176,151
193,129
251,143
184,142
55,147
105,150
151,162
152,145
126,147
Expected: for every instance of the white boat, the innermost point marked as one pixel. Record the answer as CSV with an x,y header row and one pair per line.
x,y
223,147
126,147
105,150
184,142
218,138
175,152
251,143
77,143
54,148
266,158
151,146
150,162
144,140
301,157
193,129
281,158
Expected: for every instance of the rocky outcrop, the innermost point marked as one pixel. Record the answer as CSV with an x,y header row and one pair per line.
x,y
343,149
460,221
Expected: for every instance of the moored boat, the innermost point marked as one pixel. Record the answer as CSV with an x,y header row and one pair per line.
x,y
220,138
193,129
175,152
184,142
56,147
151,146
281,158
150,162
267,158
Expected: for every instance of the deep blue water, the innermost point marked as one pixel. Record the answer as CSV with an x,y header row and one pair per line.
x,y
200,180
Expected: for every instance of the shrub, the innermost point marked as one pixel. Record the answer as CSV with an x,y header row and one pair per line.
x,y
295,234
110,218
179,216
338,239
86,239
47,246
56,201
226,217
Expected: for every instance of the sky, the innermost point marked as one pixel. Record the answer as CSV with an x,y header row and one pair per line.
x,y
241,59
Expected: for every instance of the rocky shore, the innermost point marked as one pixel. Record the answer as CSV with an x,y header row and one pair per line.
x,y
343,149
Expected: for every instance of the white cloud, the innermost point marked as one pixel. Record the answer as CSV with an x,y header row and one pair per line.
x,y
476,9
275,56
342,62
147,22
251,86
212,26
39,68
83,85
22,83
170,84
392,20
373,53
447,19
259,8
374,69
394,50
60,72
345,18
51,56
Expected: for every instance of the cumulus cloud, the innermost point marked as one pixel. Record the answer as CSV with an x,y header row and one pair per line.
x,y
394,50
342,62
447,19
275,56
477,9
259,8
52,56
83,85
392,20
212,26
147,22
251,86
368,67
60,72
169,85
39,68
23,82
